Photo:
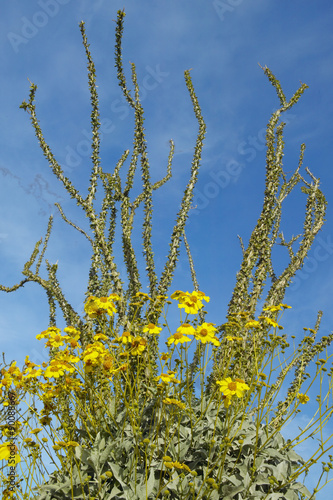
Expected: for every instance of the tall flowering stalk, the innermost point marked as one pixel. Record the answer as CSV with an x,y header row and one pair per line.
x,y
128,421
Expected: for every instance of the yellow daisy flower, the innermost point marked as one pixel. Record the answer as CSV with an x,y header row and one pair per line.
x,y
142,296
252,324
171,401
272,322
114,296
273,308
8,451
100,336
303,398
52,330
186,329
229,387
126,338
151,328
73,332
178,338
108,305
95,307
138,346
206,333
168,377
231,338
54,370
55,340
192,302
177,295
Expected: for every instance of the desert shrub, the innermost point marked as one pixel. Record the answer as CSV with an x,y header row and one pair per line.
x,y
200,420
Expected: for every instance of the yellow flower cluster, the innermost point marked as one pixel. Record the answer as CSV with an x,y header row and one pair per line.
x,y
95,354
168,377
171,401
95,306
191,302
168,463
103,356
240,321
279,307
204,333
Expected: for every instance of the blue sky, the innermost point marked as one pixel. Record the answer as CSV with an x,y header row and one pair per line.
x,y
223,42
